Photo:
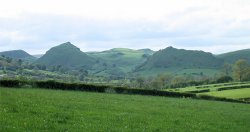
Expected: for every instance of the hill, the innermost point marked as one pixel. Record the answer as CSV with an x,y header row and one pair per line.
x,y
147,51
231,57
17,54
121,60
66,55
170,58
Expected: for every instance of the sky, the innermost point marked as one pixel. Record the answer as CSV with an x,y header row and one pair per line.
x,y
216,26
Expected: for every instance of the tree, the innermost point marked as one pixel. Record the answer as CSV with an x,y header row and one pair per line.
x,y
247,75
240,70
227,69
9,60
224,79
164,79
20,62
140,81
156,83
81,77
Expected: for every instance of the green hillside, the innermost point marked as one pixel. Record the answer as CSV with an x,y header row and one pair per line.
x,y
173,60
119,59
66,55
147,51
18,54
231,57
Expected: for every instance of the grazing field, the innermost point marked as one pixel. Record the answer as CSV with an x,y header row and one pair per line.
x,y
233,90
29,109
235,93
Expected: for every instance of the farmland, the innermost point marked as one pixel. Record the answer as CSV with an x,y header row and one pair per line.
x,y
235,94
31,109
233,90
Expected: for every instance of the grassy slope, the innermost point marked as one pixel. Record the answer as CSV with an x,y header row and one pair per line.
x,y
238,93
235,93
124,59
55,110
211,87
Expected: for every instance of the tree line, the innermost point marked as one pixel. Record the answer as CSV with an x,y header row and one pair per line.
x,y
239,71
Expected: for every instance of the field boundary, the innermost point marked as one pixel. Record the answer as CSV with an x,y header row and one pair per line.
x,y
51,84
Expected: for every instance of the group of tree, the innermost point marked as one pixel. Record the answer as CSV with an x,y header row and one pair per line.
x,y
167,80
239,71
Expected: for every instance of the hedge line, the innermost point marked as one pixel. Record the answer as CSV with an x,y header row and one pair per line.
x,y
199,91
10,83
208,97
69,86
233,87
103,89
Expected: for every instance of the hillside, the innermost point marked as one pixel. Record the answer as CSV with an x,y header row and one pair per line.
x,y
17,54
170,58
147,51
66,55
120,60
231,57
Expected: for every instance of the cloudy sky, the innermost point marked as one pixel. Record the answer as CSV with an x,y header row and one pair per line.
x,y
215,26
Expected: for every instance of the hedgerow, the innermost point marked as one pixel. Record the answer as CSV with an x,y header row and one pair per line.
x,y
51,84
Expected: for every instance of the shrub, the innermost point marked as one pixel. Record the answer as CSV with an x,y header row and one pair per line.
x,y
199,91
10,83
224,79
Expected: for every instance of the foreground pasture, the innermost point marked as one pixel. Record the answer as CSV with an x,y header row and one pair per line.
x,y
56,110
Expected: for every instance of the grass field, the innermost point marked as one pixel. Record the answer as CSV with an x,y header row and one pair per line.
x,y
234,94
55,110
233,90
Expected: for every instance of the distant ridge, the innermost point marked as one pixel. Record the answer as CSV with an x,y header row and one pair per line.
x,y
231,57
172,57
147,51
17,54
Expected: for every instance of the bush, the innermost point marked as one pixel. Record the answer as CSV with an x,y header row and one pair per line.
x,y
9,83
224,79
199,91
51,84
208,97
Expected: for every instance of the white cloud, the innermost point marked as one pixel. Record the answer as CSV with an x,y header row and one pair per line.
x,y
101,24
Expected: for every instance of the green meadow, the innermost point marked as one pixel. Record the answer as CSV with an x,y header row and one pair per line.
x,y
31,109
232,90
235,93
